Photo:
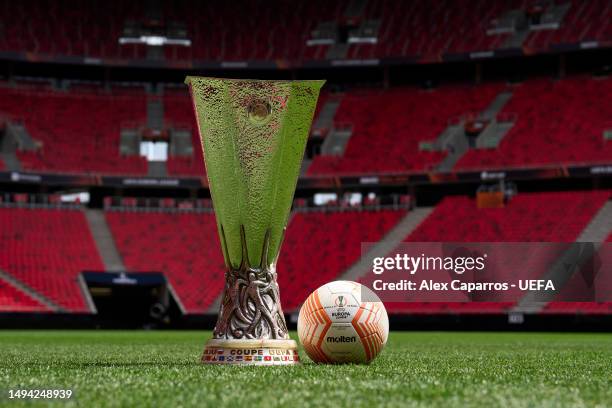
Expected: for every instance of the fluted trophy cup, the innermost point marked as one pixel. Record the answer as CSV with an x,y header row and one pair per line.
x,y
253,134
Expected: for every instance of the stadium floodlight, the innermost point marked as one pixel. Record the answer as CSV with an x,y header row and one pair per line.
x,y
155,40
254,135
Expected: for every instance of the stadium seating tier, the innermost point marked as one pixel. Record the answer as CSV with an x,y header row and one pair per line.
x,y
14,300
78,132
76,136
528,217
388,126
47,250
185,247
279,30
556,122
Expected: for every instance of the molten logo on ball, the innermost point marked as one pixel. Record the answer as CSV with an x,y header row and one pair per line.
x,y
341,339
343,322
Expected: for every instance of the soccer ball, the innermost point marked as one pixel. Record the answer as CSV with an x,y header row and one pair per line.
x,y
343,322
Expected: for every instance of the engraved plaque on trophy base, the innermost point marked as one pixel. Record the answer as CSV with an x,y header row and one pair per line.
x,y
255,352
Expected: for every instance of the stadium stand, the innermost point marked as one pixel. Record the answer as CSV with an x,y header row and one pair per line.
x,y
319,246
406,29
14,300
66,28
528,217
587,21
411,116
556,122
47,249
185,247
76,125
75,129
269,37
389,125
413,29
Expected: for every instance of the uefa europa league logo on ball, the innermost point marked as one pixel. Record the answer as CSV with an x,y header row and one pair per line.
x,y
254,135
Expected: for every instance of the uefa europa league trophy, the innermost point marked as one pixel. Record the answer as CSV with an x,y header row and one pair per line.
x,y
253,134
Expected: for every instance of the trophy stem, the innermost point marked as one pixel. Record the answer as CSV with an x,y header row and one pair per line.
x,y
251,307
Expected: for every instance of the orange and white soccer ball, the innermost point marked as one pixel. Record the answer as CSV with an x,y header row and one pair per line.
x,y
343,322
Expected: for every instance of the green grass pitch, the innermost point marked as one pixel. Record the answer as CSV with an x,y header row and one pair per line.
x,y
116,368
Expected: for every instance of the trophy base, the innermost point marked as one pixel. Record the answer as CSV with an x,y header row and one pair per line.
x,y
250,352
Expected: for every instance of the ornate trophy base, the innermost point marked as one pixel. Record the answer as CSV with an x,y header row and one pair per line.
x,y
250,352
251,327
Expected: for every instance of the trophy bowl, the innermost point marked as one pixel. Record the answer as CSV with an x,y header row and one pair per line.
x,y
253,135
